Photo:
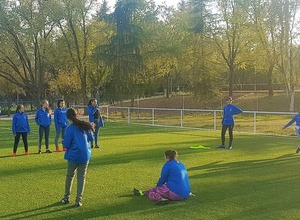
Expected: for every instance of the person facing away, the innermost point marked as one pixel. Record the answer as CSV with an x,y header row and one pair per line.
x,y
173,183
296,119
95,118
20,127
61,122
43,120
228,122
78,153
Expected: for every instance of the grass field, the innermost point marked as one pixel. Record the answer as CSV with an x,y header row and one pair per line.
x,y
258,179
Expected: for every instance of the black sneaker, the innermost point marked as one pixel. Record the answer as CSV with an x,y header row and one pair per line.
x,y
48,151
163,202
96,146
298,149
65,201
39,152
78,204
92,146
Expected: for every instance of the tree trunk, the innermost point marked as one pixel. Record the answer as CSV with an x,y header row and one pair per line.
x,y
270,80
292,100
230,86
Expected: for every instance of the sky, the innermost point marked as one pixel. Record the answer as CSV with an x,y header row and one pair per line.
x,y
168,2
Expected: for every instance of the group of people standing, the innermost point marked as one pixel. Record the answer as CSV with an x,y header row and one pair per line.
x,y
43,118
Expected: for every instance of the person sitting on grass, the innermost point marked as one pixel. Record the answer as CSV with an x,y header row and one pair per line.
x,y
20,127
77,137
173,183
296,119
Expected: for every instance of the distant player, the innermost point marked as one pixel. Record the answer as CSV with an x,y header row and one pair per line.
x,y
296,119
228,122
61,122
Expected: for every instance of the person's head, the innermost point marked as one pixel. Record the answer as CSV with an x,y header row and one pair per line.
x,y
45,103
73,116
61,103
20,108
170,155
229,100
93,102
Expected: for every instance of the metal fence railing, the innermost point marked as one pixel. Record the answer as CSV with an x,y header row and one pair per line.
x,y
248,121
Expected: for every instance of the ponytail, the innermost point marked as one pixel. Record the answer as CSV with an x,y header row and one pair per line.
x,y
72,115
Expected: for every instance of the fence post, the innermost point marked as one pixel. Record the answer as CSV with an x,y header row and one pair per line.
x,y
128,115
181,118
106,113
215,120
254,123
153,117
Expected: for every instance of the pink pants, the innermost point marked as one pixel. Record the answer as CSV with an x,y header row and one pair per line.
x,y
159,192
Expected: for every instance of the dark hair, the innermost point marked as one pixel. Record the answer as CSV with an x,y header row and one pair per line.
x,y
71,115
229,98
91,100
18,107
59,101
171,154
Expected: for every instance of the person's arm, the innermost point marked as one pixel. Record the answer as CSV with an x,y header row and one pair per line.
x,y
37,117
13,127
28,125
290,123
90,136
236,110
68,138
163,176
56,119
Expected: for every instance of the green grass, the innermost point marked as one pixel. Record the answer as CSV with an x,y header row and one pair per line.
x,y
258,179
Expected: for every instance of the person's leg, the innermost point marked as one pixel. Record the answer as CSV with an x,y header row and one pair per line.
x,y
69,179
96,135
223,132
230,135
47,133
25,142
81,176
63,130
157,193
56,138
41,131
297,130
17,139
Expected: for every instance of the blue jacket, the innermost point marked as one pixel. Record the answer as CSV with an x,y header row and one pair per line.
x,y
296,119
91,111
77,143
42,117
175,176
20,123
60,118
229,111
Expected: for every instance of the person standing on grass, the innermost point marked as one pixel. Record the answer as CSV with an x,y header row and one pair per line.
x,y
43,120
228,122
20,127
61,122
296,119
173,183
95,118
77,137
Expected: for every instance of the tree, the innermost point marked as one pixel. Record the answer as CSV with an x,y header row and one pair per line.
x,y
123,53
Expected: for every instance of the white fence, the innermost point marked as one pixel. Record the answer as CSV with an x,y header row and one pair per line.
x,y
248,121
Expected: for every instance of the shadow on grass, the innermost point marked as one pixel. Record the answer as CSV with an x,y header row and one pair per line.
x,y
55,207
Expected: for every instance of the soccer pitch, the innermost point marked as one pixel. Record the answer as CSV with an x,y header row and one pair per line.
x,y
258,179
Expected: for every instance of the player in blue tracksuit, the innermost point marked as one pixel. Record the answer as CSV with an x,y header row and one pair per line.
x,y
43,120
95,118
228,122
77,137
61,122
296,119
20,127
173,183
